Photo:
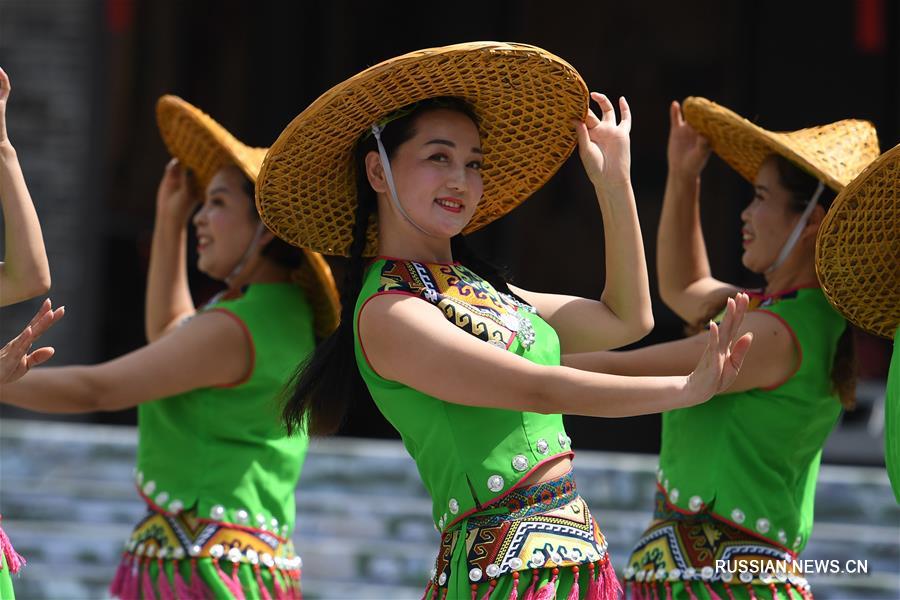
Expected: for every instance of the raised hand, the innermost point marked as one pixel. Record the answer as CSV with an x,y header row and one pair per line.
x,y
15,357
688,151
5,89
604,145
177,195
725,352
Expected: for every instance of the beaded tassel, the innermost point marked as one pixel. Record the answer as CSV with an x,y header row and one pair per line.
x,y
610,588
751,592
490,590
728,591
575,591
593,592
236,582
162,582
474,588
532,589
514,592
774,591
653,589
263,590
279,591
118,583
147,583
668,587
131,587
548,590
198,588
237,593
182,591
427,590
14,560
712,593
690,590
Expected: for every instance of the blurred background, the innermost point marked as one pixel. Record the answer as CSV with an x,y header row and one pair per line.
x,y
86,75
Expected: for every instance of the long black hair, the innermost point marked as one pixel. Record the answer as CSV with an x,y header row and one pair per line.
x,y
324,386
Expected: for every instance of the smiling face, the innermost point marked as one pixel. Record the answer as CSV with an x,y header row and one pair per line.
x,y
437,173
767,220
224,224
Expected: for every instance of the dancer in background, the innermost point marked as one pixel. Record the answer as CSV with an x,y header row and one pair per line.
x,y
737,475
465,366
24,274
215,466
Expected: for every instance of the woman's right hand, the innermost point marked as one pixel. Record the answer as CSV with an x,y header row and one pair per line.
x,y
688,151
724,354
176,197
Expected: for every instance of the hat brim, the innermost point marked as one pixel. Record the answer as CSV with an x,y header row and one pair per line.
x,y
204,146
525,98
833,153
858,248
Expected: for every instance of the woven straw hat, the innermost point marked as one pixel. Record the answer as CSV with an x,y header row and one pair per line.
x,y
858,248
833,153
524,97
204,146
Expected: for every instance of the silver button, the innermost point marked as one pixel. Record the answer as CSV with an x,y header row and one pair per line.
x,y
261,521
640,575
252,556
195,550
797,541
673,495
538,559
217,512
149,487
495,483
706,573
659,475
515,563
746,576
140,477
176,506
453,505
162,498
274,524
666,485
563,439
555,557
266,559
737,515
695,503
674,574
178,553
762,525
661,574
443,578
492,570
727,576
441,523
782,536
542,446
510,321
690,573
520,462
475,574
234,555
151,551
217,551
242,516
629,572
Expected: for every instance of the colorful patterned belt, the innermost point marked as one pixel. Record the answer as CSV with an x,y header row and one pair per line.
x,y
682,551
180,556
542,527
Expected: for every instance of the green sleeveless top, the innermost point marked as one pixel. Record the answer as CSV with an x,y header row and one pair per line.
x,y
467,456
752,457
223,451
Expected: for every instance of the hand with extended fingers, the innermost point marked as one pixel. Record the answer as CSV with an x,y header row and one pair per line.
x,y
177,195
725,352
604,145
688,151
16,357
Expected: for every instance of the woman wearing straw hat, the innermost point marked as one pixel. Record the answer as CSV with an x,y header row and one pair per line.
x,y
466,367
24,274
736,478
214,464
857,258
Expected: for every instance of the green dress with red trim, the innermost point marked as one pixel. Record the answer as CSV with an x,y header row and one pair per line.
x,y
218,471
737,474
498,538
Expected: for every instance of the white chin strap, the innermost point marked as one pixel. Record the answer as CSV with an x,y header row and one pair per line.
x,y
386,165
260,229
798,229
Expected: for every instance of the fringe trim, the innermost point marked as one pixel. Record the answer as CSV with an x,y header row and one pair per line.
x,y
14,560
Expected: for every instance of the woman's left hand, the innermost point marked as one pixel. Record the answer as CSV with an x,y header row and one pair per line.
x,y
604,145
16,357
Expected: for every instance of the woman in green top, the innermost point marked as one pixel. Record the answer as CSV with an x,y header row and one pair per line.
x,y
737,475
471,371
215,466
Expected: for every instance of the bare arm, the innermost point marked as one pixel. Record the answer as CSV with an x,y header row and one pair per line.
x,y
456,367
772,359
685,282
622,314
168,297
24,272
210,349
